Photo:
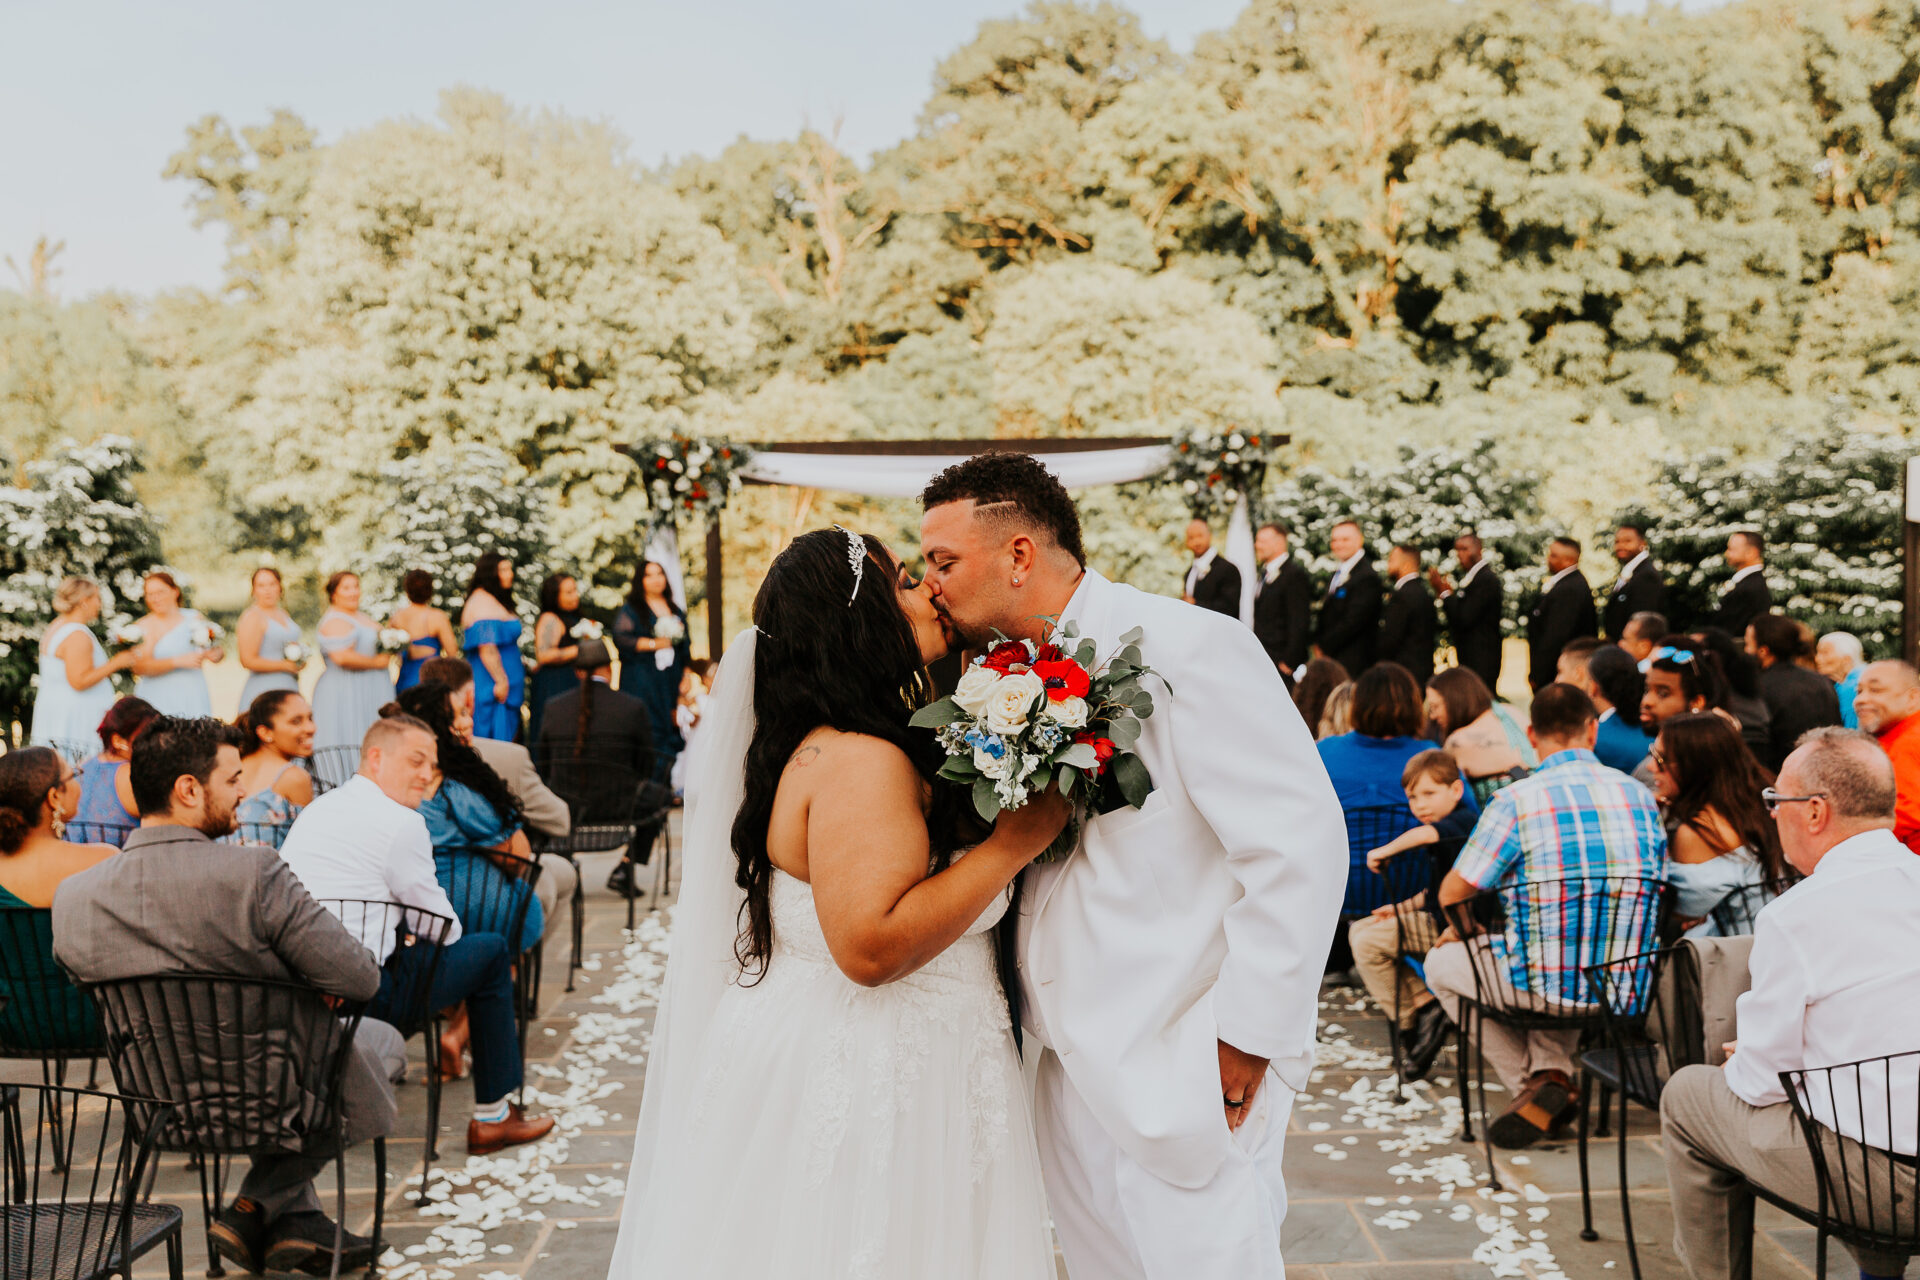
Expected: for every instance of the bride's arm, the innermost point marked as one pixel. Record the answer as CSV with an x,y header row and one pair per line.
x,y
882,914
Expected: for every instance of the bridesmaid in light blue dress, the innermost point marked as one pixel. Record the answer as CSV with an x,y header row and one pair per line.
x,y
356,683
76,676
490,637
167,662
262,637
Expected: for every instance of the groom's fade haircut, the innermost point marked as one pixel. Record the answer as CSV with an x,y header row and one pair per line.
x,y
1013,491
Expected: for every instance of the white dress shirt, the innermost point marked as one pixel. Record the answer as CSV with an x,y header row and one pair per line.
x,y
1626,570
1465,578
1345,567
1273,568
1201,565
1835,965
1738,574
356,843
1554,581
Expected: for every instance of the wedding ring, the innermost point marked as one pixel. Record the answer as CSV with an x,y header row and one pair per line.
x,y
1230,1102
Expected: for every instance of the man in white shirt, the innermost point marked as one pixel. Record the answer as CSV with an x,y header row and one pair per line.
x,y
1834,964
366,841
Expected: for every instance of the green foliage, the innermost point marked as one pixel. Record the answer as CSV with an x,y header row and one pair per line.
x,y
77,516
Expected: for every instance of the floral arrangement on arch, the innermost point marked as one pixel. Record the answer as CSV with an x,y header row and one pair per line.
x,y
1215,469
692,475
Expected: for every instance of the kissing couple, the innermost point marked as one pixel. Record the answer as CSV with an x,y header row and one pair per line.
x,y
833,1090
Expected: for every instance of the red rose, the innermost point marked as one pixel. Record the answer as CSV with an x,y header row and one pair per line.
x,y
1063,678
1103,748
1049,653
1007,655
660,464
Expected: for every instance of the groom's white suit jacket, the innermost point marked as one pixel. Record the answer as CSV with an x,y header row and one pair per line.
x,y
1204,915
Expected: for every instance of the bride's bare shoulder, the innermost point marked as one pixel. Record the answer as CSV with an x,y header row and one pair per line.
x,y
849,757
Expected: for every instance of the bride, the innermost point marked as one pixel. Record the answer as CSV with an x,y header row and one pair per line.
x,y
832,1091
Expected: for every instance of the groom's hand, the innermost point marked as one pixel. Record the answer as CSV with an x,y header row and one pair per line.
x,y
1240,1077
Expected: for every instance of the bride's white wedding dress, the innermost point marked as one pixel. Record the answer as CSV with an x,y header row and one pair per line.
x,y
841,1132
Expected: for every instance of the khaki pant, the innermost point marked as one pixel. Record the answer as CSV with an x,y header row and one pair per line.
x,y
1715,1142
1376,955
554,888
1513,1055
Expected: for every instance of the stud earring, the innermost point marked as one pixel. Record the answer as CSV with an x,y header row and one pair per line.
x,y
1016,582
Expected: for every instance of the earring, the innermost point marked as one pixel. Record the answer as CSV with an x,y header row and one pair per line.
x,y
1016,582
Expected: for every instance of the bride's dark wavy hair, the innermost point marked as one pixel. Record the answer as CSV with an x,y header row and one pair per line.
x,y
821,661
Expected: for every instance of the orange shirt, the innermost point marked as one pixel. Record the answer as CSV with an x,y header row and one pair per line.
x,y
1902,743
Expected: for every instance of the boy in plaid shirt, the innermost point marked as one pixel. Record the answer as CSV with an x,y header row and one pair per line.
x,y
1572,818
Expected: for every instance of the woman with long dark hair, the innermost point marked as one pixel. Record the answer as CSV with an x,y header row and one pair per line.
x,y
490,638
1318,679
650,631
1719,837
1485,741
554,646
831,1018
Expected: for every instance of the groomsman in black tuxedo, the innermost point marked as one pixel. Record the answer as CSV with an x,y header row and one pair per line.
x,y
1473,607
1640,588
1746,596
1563,612
1349,626
1282,601
1409,625
1213,582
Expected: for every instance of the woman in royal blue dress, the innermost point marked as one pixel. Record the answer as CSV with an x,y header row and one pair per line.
x,y
430,628
554,646
490,637
650,631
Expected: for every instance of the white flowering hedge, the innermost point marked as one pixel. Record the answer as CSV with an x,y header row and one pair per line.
x,y
77,517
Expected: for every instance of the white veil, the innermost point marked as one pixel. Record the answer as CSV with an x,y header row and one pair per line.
x,y
700,960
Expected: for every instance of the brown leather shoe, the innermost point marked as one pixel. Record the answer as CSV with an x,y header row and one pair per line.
x,y
1532,1115
485,1139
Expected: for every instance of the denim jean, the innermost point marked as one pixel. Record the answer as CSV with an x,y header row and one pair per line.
x,y
478,970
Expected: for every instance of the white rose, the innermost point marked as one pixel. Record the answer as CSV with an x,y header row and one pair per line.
x,y
992,766
975,687
1070,712
1012,695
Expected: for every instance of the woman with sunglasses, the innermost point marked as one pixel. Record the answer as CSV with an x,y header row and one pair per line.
x,y
1719,837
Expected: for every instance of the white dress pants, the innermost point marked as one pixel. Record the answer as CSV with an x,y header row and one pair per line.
x,y
1116,1221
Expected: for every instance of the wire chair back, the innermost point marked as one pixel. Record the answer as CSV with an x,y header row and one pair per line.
x,y
1369,827
252,1066
70,1206
1485,787
45,1015
1542,936
333,766
1861,1121
611,802
100,831
73,750
1650,1011
1737,914
491,892
406,1004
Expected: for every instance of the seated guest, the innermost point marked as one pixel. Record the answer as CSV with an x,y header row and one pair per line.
x,y
176,902
105,815
1831,957
1366,762
1719,838
366,841
1336,715
545,812
276,733
1798,700
1642,633
1437,795
38,792
470,814
1313,684
1743,701
1490,747
597,722
1571,817
1616,687
1840,658
1679,676
1888,703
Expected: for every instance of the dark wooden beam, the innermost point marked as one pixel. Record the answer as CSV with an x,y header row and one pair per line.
x,y
716,625
961,448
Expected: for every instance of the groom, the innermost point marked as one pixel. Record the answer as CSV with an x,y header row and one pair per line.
x,y
1170,966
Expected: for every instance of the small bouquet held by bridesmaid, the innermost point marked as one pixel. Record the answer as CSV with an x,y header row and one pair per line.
x,y
588,629
294,651
670,628
394,639
206,634
1025,715
126,635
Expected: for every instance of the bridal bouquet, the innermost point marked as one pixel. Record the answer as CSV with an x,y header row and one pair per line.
x,y
205,634
588,629
126,635
394,639
669,628
1025,715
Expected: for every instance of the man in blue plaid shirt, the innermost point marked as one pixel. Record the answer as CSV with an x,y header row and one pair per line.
x,y
1569,823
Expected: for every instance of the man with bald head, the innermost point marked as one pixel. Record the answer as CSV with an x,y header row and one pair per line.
x,y
1834,963
1887,704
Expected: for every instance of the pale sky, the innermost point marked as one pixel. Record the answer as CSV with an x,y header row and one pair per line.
x,y
97,95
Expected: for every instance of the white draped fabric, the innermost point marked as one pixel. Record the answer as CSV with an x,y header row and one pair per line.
x,y
898,476
1239,553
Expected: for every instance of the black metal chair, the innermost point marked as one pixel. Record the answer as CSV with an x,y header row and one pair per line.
x,y
74,1210
1403,879
1369,827
1735,915
1867,1192
1578,921
1650,1011
613,807
499,904
73,750
253,1067
46,1018
406,1005
332,766
100,832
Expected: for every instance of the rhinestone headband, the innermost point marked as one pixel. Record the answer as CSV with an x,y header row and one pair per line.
x,y
856,561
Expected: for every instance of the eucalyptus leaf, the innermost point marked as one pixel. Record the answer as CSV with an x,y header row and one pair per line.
x,y
1080,755
936,714
986,802
1131,776
1067,778
1125,732
960,769
1133,636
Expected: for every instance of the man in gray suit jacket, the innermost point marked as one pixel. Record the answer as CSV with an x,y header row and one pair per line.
x,y
174,901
